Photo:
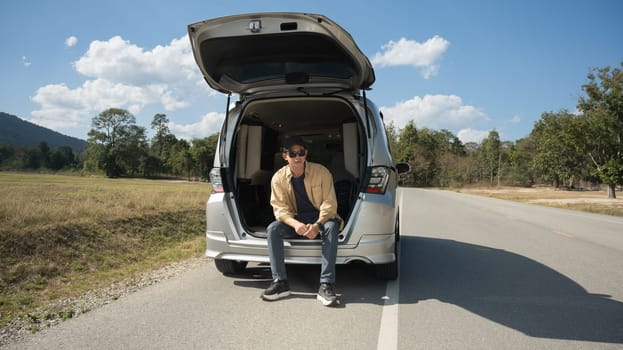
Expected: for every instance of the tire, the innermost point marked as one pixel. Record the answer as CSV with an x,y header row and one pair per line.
x,y
397,227
388,272
230,267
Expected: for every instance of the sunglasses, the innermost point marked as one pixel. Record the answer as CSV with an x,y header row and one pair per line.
x,y
300,153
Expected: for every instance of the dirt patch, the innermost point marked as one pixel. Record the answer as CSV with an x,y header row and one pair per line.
x,y
590,201
600,201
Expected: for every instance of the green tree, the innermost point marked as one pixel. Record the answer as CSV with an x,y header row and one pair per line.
x,y
449,150
108,140
558,142
471,163
520,155
162,134
33,158
203,153
603,109
491,154
6,152
402,151
406,141
456,145
392,137
180,159
132,148
62,157
435,155
425,157
44,154
163,142
151,165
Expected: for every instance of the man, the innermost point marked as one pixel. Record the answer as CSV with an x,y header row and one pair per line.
x,y
305,206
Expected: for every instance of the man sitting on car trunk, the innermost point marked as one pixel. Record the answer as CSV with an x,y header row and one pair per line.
x,y
304,204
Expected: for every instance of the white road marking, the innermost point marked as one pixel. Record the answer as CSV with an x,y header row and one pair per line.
x,y
562,233
388,331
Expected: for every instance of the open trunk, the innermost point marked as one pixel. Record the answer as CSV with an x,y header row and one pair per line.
x,y
333,132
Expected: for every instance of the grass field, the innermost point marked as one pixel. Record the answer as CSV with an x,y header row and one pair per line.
x,y
64,235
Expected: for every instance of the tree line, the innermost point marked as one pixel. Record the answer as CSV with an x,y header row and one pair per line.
x,y
563,149
117,147
42,156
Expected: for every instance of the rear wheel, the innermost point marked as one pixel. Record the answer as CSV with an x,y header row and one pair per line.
x,y
388,271
230,267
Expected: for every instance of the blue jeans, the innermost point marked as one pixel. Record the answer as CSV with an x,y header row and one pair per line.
x,y
277,231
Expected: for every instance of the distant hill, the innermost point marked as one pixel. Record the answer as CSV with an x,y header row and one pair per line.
x,y
20,133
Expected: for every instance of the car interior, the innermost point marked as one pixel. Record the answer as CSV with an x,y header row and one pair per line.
x,y
334,135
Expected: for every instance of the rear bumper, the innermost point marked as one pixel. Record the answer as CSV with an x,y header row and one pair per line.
x,y
368,236
371,249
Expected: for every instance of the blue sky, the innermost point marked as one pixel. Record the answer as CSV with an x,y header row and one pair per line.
x,y
465,66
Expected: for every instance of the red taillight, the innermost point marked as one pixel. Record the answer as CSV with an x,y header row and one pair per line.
x,y
216,181
379,177
374,190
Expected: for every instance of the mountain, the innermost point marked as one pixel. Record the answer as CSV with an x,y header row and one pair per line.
x,y
20,133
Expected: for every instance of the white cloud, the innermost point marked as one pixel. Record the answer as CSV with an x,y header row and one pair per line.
x,y
62,107
514,120
208,125
406,52
435,112
71,41
120,61
26,62
471,135
122,75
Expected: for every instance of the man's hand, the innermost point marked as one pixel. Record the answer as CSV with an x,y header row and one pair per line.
x,y
301,229
312,231
309,231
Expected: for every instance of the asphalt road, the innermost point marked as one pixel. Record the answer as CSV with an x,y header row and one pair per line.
x,y
475,273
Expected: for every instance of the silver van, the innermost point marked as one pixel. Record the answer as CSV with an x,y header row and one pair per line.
x,y
301,75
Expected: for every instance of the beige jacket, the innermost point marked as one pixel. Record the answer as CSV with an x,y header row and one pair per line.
x,y
319,187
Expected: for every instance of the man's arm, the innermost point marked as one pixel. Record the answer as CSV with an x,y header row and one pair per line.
x,y
328,207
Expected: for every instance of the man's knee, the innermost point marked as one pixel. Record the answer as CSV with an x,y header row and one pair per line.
x,y
331,228
279,229
332,225
273,226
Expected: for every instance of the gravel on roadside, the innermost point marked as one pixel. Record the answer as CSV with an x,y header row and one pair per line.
x,y
55,313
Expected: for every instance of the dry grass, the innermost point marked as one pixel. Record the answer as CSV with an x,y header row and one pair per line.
x,y
63,235
590,201
31,199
